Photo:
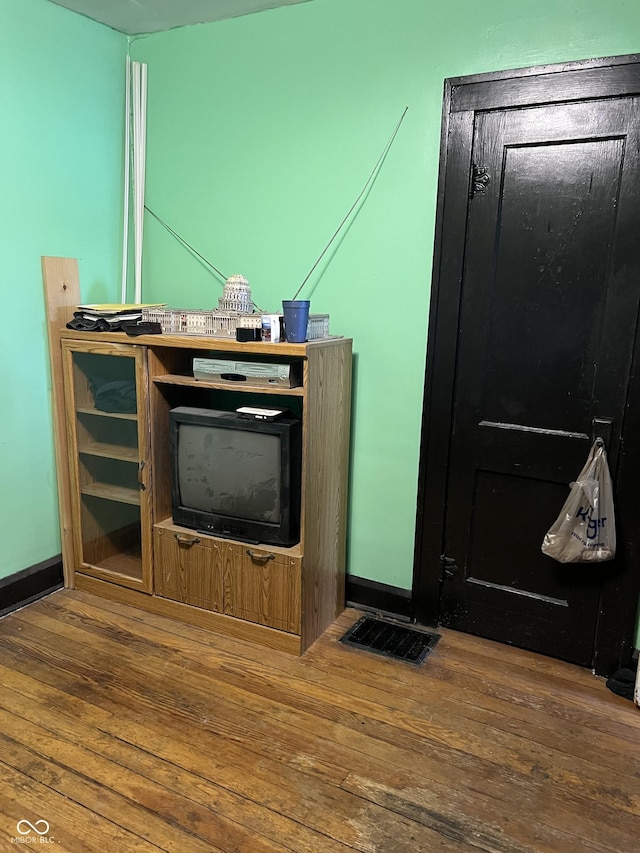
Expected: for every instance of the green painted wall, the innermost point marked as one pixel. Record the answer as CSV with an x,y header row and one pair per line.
x,y
61,103
262,132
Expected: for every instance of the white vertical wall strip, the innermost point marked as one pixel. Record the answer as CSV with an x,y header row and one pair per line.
x,y
127,179
143,169
139,98
135,97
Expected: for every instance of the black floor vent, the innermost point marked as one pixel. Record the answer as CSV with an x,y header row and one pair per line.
x,y
390,639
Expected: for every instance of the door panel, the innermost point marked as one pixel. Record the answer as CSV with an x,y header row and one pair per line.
x,y
545,322
548,302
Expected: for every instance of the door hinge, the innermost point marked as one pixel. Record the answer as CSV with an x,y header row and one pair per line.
x,y
449,567
478,180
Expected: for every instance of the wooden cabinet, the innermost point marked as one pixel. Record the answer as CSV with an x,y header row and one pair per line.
x,y
118,394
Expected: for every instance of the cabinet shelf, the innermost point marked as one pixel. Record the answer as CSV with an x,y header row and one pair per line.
x,y
124,565
110,451
189,381
89,410
106,491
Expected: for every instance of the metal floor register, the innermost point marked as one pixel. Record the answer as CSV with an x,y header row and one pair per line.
x,y
383,637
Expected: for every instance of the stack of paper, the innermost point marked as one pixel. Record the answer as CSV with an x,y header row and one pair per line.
x,y
114,313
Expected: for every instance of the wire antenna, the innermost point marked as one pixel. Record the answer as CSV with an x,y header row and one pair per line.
x,y
376,168
184,243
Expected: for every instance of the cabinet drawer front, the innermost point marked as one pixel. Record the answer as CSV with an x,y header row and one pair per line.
x,y
248,582
188,569
265,588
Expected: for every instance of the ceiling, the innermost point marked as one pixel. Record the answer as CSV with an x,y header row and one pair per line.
x,y
134,17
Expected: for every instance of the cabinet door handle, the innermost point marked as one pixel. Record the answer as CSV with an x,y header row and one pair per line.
x,y
260,558
140,469
186,541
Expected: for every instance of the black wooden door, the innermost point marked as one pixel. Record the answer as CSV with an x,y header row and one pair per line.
x,y
548,290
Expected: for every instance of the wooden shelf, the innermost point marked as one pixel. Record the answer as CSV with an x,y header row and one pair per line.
x,y
126,565
88,410
220,345
189,381
119,494
110,451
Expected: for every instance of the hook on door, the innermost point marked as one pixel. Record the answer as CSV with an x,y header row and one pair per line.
x,y
602,431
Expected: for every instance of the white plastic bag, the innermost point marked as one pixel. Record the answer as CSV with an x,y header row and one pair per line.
x,y
585,530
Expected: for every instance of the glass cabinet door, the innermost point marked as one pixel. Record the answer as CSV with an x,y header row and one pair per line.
x,y
108,448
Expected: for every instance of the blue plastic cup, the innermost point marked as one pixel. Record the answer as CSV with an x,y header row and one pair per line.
x,y
296,320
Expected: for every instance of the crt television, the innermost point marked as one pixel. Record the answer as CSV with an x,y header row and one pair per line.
x,y
236,477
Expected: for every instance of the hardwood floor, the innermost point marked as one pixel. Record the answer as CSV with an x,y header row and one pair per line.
x,y
125,731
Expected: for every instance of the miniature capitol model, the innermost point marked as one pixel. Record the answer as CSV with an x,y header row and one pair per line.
x,y
236,296
235,311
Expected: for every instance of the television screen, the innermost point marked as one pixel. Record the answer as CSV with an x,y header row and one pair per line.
x,y
236,477
230,472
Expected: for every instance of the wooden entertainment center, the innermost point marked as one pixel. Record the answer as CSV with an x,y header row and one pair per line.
x,y
118,535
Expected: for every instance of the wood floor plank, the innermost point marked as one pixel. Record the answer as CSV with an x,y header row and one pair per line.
x,y
349,819
443,667
536,686
81,777
507,748
197,696
73,827
325,809
501,714
223,743
562,789
256,820
452,817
